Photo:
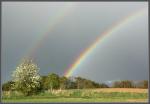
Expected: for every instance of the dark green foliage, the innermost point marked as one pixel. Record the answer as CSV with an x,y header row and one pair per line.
x,y
79,82
103,85
28,91
53,81
63,82
71,84
7,86
83,83
96,85
44,82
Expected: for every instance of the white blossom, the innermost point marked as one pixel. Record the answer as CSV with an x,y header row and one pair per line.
x,y
27,73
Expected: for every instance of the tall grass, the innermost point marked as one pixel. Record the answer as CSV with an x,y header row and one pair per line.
x,y
77,94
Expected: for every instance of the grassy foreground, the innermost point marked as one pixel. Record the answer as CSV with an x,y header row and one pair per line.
x,y
75,100
84,95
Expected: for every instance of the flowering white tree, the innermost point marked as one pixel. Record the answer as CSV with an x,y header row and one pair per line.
x,y
26,77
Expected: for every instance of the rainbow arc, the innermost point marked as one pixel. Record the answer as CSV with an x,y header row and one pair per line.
x,y
115,27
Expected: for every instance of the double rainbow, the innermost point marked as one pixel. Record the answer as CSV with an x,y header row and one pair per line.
x,y
61,15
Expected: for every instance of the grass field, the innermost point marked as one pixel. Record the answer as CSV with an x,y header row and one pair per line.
x,y
84,95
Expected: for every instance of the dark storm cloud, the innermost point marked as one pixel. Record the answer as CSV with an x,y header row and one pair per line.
x,y
123,56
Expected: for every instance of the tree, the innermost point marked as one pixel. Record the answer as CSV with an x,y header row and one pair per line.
x,y
96,85
26,77
123,84
7,86
116,84
145,84
142,84
79,82
71,84
103,85
63,82
44,82
53,80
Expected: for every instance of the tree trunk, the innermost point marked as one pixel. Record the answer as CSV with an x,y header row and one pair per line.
x,y
51,87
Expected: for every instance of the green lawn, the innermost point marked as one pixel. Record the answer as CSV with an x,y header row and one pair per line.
x,y
78,96
73,100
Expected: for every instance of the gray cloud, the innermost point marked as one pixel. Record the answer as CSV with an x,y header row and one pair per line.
x,y
124,55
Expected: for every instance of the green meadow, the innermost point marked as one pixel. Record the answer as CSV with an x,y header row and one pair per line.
x,y
82,95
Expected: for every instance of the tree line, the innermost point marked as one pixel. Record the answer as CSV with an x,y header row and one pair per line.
x,y
26,79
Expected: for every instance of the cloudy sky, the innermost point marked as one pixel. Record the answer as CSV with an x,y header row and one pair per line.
x,y
56,33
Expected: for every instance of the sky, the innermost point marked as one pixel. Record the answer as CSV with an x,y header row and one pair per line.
x,y
54,34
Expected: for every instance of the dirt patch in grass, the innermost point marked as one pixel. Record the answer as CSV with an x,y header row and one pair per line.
x,y
137,100
136,90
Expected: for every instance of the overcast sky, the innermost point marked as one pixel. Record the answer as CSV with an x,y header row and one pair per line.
x,y
69,28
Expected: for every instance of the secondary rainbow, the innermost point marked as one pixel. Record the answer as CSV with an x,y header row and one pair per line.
x,y
62,13
120,24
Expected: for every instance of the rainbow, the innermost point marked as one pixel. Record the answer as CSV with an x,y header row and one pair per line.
x,y
117,26
62,13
